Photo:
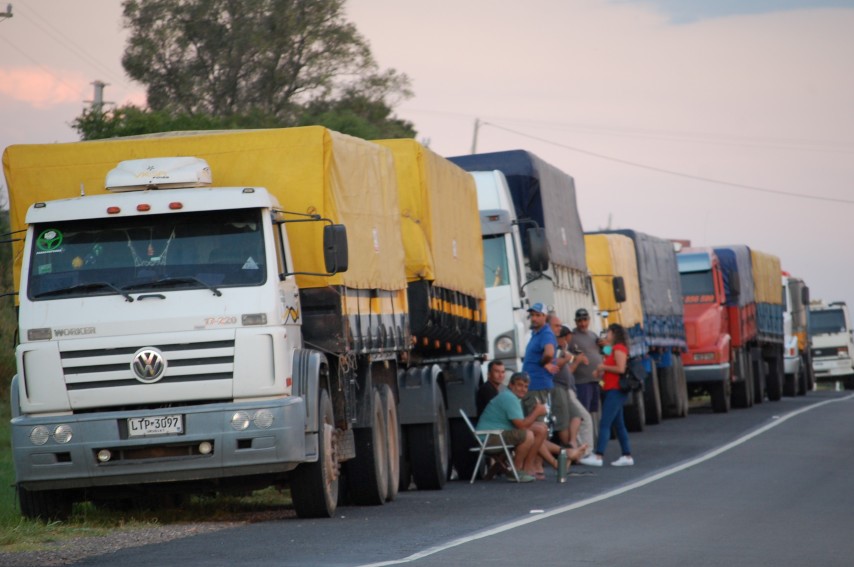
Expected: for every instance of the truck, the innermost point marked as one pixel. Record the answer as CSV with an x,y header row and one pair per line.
x,y
651,312
180,337
798,374
735,328
545,262
832,342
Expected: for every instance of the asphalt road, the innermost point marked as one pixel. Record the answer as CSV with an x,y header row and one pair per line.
x,y
771,485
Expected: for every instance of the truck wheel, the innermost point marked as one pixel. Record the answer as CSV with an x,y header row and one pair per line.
x,y
429,448
802,381
741,380
774,379
634,413
720,393
758,367
367,474
45,505
652,397
681,387
790,385
392,427
314,486
667,383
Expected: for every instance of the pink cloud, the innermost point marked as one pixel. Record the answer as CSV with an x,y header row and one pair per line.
x,y
41,88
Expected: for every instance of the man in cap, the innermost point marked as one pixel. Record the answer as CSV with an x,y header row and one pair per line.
x,y
586,374
539,356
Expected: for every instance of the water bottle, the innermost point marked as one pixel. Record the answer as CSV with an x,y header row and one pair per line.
x,y
561,466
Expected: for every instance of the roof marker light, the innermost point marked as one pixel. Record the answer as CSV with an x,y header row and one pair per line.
x,y
175,206
142,207
113,210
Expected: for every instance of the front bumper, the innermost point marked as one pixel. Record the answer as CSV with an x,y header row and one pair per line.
x,y
707,373
831,369
163,458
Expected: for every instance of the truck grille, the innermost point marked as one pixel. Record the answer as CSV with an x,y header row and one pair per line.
x,y
111,367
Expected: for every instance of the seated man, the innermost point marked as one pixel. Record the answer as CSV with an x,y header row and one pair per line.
x,y
504,412
494,384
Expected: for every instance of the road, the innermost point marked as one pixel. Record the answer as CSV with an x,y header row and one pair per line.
x,y
770,485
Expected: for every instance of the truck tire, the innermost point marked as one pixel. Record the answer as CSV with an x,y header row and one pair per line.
x,y
652,397
670,402
742,384
720,394
790,385
429,448
314,486
392,428
45,505
367,473
758,367
681,387
634,413
802,386
774,379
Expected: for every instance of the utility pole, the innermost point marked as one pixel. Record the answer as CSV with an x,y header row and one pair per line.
x,y
474,137
7,13
98,101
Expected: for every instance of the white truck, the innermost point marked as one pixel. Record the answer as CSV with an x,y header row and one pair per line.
x,y
518,189
177,337
832,342
798,377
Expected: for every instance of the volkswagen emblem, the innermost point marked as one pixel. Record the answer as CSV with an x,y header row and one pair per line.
x,y
148,365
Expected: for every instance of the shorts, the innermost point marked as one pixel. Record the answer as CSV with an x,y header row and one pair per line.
x,y
576,409
530,400
512,437
589,395
560,408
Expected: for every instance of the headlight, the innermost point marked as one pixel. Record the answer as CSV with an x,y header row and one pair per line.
x,y
62,433
504,345
240,420
39,435
263,419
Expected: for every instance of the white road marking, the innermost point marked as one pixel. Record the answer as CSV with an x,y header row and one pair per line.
x,y
776,420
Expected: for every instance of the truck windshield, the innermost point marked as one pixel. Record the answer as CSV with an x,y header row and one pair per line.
x,y
495,261
698,287
826,321
182,251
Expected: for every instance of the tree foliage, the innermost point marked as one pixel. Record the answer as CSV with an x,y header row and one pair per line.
x,y
261,63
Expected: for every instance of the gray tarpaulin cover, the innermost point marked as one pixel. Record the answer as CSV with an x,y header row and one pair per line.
x,y
543,193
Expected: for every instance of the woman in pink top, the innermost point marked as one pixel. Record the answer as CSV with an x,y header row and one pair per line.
x,y
612,404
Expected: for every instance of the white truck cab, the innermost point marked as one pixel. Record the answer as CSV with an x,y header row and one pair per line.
x,y
832,342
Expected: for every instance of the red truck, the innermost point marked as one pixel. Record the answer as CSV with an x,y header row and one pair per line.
x,y
733,325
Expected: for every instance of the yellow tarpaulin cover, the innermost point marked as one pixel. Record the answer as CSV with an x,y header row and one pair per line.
x,y
440,219
767,283
309,170
611,255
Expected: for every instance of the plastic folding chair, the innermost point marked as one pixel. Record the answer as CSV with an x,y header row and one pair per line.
x,y
483,436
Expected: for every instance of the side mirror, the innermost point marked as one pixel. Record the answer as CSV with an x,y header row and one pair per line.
x,y
805,295
619,289
335,251
538,249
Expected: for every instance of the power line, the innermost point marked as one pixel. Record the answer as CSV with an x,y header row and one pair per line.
x,y
669,171
39,65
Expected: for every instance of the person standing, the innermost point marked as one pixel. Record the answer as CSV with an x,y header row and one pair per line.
x,y
539,358
572,421
584,341
612,405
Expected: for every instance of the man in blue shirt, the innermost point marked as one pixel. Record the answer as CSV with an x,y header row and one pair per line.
x,y
538,358
504,413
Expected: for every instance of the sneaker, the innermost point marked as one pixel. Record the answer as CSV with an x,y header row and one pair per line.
x,y
591,461
523,477
624,461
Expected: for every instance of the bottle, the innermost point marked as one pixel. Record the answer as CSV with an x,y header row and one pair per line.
x,y
561,466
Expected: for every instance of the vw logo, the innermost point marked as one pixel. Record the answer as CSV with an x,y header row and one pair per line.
x,y
148,365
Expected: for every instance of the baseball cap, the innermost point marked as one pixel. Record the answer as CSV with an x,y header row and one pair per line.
x,y
537,308
582,314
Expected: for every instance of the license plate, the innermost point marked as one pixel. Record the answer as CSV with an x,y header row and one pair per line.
x,y
160,425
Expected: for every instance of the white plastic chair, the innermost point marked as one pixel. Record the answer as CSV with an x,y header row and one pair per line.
x,y
484,449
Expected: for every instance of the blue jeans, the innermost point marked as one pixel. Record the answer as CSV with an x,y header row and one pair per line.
x,y
612,414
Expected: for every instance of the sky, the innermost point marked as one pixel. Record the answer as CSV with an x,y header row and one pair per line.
x,y
725,122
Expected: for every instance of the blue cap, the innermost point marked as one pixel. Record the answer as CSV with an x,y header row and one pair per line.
x,y
537,308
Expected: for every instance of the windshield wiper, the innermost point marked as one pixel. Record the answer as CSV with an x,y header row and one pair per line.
x,y
174,280
85,286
